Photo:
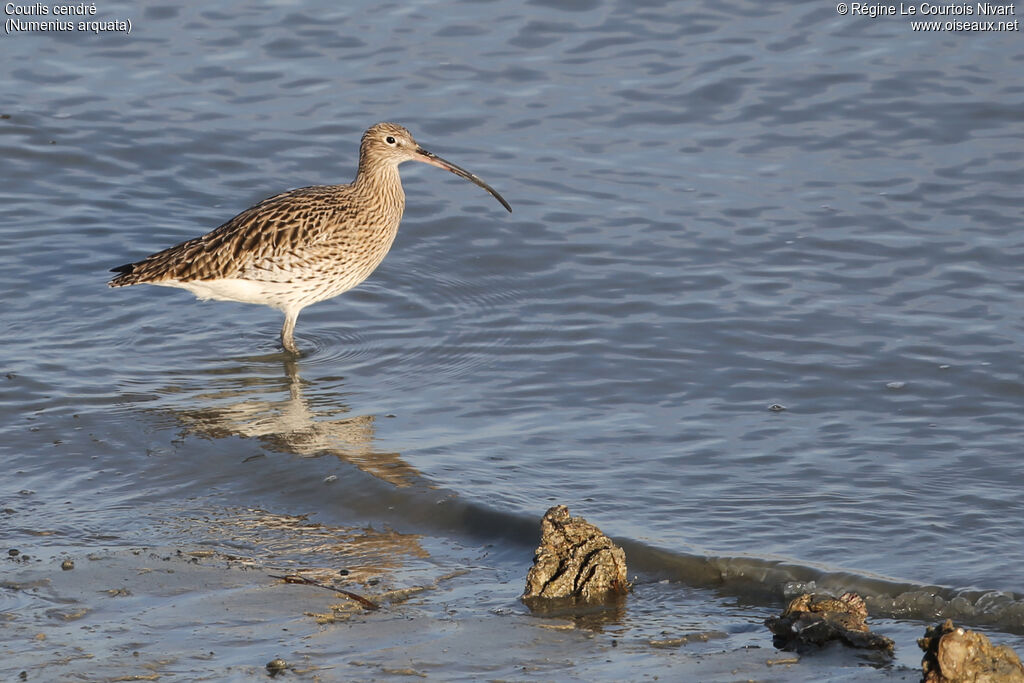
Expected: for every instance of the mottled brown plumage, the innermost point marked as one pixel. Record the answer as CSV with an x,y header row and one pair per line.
x,y
302,246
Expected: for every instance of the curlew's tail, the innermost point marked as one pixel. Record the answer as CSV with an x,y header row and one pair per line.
x,y
126,276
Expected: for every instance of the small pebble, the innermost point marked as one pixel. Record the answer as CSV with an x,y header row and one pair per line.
x,y
276,666
67,565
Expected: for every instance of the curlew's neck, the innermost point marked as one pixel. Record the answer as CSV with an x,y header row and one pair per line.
x,y
380,186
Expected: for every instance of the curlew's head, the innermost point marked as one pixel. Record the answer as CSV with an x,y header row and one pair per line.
x,y
392,144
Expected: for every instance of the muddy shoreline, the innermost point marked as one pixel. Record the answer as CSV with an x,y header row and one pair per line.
x,y
177,613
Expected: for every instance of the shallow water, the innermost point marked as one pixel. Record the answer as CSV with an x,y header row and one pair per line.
x,y
716,210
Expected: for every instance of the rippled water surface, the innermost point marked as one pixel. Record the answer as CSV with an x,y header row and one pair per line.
x,y
717,209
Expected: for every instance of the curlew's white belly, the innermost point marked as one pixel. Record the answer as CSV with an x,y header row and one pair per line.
x,y
279,295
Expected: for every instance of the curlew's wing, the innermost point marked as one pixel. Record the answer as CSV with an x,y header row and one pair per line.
x,y
258,239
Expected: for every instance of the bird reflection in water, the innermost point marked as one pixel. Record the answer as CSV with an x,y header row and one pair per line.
x,y
240,407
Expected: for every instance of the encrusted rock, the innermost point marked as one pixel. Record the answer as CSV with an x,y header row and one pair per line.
x,y
812,620
575,560
276,667
953,655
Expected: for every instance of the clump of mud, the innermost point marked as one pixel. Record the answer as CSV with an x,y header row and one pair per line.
x,y
810,621
575,560
953,655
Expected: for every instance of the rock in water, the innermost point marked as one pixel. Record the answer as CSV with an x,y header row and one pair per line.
x,y
575,560
953,655
814,620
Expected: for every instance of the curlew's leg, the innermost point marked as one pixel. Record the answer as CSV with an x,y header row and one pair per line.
x,y
287,332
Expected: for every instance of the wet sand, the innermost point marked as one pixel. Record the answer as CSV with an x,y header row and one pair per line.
x,y
193,614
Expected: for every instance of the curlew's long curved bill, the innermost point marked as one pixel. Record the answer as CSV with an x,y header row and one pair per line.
x,y
434,160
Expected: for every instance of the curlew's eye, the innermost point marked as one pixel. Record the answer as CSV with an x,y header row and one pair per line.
x,y
390,140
